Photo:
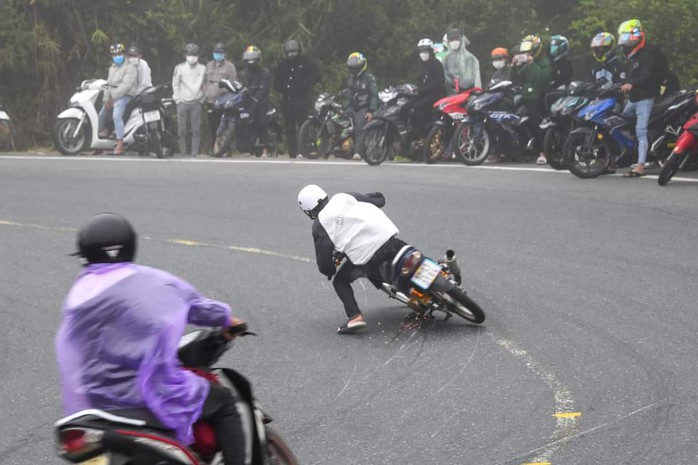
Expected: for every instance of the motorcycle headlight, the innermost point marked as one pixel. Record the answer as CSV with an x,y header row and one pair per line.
x,y
318,105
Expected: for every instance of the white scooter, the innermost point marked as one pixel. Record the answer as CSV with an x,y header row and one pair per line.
x,y
147,127
6,130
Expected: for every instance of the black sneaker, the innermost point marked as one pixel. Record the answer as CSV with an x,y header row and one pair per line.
x,y
355,324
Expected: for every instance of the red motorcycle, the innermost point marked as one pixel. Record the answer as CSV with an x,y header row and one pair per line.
x,y
683,156
437,144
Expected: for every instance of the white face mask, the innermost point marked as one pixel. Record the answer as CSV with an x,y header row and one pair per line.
x,y
192,59
424,56
499,64
454,45
133,60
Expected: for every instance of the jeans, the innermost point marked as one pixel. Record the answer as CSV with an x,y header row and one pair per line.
x,y
642,110
116,115
221,413
189,112
349,273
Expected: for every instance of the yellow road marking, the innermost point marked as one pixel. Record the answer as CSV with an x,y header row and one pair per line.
x,y
568,414
186,242
537,463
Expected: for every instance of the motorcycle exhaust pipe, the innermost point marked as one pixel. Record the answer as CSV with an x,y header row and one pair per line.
x,y
450,259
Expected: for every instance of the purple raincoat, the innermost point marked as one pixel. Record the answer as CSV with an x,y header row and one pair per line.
x,y
117,343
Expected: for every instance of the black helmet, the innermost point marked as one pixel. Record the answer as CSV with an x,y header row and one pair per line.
x,y
133,51
106,238
252,55
219,47
292,46
191,49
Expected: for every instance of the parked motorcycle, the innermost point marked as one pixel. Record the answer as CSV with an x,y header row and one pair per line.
x,y
148,128
453,110
389,131
330,131
559,122
134,436
7,130
494,113
237,123
684,156
605,139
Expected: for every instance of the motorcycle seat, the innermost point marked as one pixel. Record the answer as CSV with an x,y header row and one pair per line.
x,y
664,103
142,414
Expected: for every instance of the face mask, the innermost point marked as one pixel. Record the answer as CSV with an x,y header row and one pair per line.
x,y
454,45
192,59
218,56
498,64
424,56
133,60
292,54
118,59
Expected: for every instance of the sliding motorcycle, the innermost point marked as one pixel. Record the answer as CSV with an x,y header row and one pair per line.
x,y
134,436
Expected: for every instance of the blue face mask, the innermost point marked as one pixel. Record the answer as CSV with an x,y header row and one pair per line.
x,y
218,56
118,60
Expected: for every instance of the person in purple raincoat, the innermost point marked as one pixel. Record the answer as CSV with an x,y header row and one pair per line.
x,y
117,343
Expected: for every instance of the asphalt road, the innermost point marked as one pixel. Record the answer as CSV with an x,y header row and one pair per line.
x,y
588,354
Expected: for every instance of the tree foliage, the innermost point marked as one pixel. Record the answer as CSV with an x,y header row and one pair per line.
x,y
48,46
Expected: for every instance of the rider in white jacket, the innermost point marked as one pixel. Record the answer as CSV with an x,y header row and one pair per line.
x,y
352,225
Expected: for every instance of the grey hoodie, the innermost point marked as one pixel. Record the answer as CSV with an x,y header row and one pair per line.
x,y
122,81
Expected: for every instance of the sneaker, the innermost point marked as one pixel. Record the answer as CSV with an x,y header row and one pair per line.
x,y
352,326
541,160
356,157
492,159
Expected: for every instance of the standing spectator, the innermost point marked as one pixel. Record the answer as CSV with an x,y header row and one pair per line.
x,y
532,70
363,98
461,68
648,69
144,78
216,69
258,80
294,79
187,88
121,89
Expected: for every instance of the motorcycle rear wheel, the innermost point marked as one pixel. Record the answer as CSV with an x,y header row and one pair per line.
x,y
436,143
375,147
63,140
277,450
670,168
586,158
460,304
472,148
224,140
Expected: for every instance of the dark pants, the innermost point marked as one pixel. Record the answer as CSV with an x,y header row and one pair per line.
x,y
423,108
214,120
359,119
349,273
534,110
259,123
220,412
295,112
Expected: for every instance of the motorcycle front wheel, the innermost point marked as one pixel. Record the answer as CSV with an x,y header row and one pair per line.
x,y
460,304
64,137
224,140
587,155
471,145
670,168
552,147
436,143
277,450
310,139
375,146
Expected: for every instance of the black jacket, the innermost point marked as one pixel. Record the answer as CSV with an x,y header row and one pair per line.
x,y
432,81
295,78
258,81
324,248
562,73
612,70
647,69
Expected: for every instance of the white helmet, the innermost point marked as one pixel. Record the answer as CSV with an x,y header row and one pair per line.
x,y
311,199
425,44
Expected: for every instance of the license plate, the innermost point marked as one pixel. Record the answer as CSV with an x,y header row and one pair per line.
x,y
426,273
4,115
150,116
99,460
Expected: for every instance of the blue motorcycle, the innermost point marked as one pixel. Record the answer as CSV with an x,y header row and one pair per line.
x,y
605,139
